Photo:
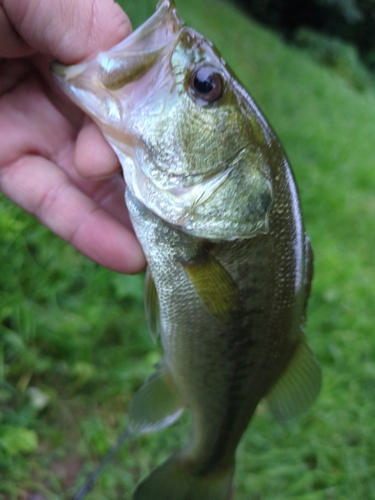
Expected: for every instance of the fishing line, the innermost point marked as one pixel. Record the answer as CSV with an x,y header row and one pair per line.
x,y
87,487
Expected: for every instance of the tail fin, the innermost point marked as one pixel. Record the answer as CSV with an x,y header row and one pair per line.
x,y
175,480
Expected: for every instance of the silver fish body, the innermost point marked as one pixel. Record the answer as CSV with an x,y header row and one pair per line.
x,y
215,207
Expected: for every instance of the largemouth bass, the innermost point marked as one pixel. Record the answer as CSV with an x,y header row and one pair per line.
x,y
214,204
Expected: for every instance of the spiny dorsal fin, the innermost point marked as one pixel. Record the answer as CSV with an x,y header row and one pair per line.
x,y
299,385
214,285
156,404
152,307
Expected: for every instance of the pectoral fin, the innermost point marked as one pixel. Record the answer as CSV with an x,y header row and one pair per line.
x,y
215,286
299,385
156,405
152,308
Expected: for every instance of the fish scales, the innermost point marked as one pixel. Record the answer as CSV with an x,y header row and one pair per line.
x,y
246,349
214,204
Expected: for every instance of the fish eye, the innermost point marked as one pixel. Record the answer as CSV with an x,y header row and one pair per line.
x,y
206,83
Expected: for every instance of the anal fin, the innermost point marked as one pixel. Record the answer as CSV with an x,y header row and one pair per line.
x,y
156,405
299,385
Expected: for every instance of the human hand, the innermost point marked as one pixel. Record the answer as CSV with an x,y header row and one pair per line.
x,y
54,162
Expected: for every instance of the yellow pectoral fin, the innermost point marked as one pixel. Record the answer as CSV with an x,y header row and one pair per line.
x,y
299,385
215,286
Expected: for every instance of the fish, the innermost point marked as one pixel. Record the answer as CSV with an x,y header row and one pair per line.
x,y
214,204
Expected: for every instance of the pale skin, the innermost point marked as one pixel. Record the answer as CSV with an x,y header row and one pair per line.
x,y
54,162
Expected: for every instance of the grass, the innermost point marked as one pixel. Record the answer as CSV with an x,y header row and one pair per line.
x,y
74,345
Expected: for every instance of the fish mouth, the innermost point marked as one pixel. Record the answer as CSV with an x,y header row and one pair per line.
x,y
92,85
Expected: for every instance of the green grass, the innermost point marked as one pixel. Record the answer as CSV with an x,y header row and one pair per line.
x,y
74,344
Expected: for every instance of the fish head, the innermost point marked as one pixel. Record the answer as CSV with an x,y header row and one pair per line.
x,y
193,145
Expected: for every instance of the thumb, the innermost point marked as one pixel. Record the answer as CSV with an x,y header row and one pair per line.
x,y
68,30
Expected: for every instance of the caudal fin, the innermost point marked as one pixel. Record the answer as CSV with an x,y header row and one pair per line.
x,y
175,480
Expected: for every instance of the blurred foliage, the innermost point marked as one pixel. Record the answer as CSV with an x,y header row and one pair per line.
x,y
338,55
73,340
352,21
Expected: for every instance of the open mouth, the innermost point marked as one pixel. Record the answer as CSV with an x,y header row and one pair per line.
x,y
127,61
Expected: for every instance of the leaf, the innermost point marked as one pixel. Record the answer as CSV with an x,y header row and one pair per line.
x,y
15,440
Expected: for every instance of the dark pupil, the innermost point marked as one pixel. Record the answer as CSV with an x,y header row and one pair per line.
x,y
203,83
